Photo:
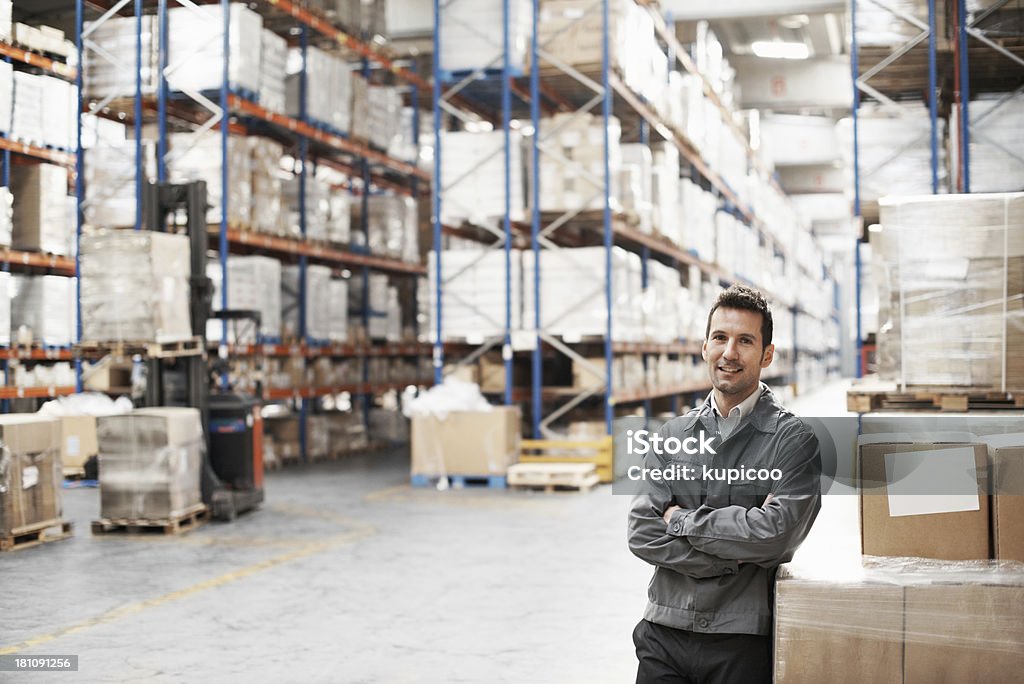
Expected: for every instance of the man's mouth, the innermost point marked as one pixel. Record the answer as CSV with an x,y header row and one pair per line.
x,y
731,370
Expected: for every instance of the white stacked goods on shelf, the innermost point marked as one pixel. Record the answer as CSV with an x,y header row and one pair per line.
x,y
27,117
385,311
329,90
385,109
6,96
6,22
360,108
273,69
151,460
6,218
5,308
572,293
60,99
45,306
317,207
110,185
318,442
404,144
473,177
268,214
40,209
665,216
43,39
997,137
318,309
339,219
950,290
662,315
197,156
697,219
389,426
473,294
110,70
894,150
135,286
636,185
572,161
392,226
338,306
254,283
782,335
471,35
196,48
61,374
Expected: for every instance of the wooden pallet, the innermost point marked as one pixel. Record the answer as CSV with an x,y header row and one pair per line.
x,y
190,519
865,399
597,452
550,477
34,535
194,346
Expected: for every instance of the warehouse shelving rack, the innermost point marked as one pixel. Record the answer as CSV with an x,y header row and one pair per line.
x,y
226,112
885,64
33,262
580,91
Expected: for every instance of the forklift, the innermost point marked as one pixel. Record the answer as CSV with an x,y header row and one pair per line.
x,y
232,473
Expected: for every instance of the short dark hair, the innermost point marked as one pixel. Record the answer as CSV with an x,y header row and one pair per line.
x,y
746,299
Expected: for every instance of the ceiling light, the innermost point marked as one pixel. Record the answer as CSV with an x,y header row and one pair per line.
x,y
777,49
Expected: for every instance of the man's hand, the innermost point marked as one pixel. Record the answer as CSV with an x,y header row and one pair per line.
x,y
667,515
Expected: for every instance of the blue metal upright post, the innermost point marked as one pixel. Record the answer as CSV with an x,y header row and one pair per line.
x,y
161,94
303,260
224,132
139,166
606,113
79,184
415,188
506,122
438,356
965,95
536,358
364,222
855,68
933,97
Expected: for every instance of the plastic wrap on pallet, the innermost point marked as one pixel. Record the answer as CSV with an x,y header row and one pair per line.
x,y
273,68
6,96
319,438
40,218
473,33
30,473
361,127
151,460
110,70
58,119
196,48
572,162
27,116
997,137
198,157
572,293
5,308
317,207
135,286
899,620
894,150
403,143
6,23
952,264
110,185
268,214
338,307
661,312
879,26
317,302
473,298
45,305
392,226
328,91
473,173
385,120
254,284
339,221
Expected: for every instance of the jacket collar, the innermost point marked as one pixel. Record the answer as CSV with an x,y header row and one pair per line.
x,y
764,417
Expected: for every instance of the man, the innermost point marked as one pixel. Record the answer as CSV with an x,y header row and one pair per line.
x,y
715,545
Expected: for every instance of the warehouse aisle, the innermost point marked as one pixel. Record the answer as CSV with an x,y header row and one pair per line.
x,y
347,575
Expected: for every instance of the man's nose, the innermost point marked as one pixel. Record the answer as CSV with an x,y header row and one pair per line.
x,y
731,352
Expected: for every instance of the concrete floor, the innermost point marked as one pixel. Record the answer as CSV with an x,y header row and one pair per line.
x,y
346,575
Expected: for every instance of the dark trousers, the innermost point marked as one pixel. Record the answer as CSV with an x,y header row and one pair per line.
x,y
676,656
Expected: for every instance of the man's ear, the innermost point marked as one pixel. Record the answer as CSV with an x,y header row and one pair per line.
x,y
767,356
704,350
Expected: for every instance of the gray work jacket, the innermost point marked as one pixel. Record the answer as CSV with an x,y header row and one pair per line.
x,y
715,562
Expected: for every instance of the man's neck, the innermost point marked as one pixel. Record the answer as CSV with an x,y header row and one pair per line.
x,y
727,403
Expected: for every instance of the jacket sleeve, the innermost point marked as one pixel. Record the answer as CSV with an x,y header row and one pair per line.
x,y
650,542
770,534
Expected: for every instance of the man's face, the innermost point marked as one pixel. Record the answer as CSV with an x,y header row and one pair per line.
x,y
733,351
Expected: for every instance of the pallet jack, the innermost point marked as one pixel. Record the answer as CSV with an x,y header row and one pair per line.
x,y
232,474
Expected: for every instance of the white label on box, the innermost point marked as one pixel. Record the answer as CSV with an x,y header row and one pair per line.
x,y
949,476
73,446
29,477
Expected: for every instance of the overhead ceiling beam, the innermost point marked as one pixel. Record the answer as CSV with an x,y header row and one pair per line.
x,y
692,10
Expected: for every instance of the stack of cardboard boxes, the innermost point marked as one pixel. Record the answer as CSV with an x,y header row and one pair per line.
x,y
30,474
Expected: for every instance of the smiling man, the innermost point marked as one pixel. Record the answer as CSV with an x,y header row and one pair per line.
x,y
716,545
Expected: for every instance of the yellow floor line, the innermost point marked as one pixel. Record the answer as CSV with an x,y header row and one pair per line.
x,y
135,608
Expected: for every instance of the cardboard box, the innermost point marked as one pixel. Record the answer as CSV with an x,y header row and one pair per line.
x,y
1007,456
150,463
466,442
77,440
284,433
30,476
963,633
943,532
838,632
107,375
